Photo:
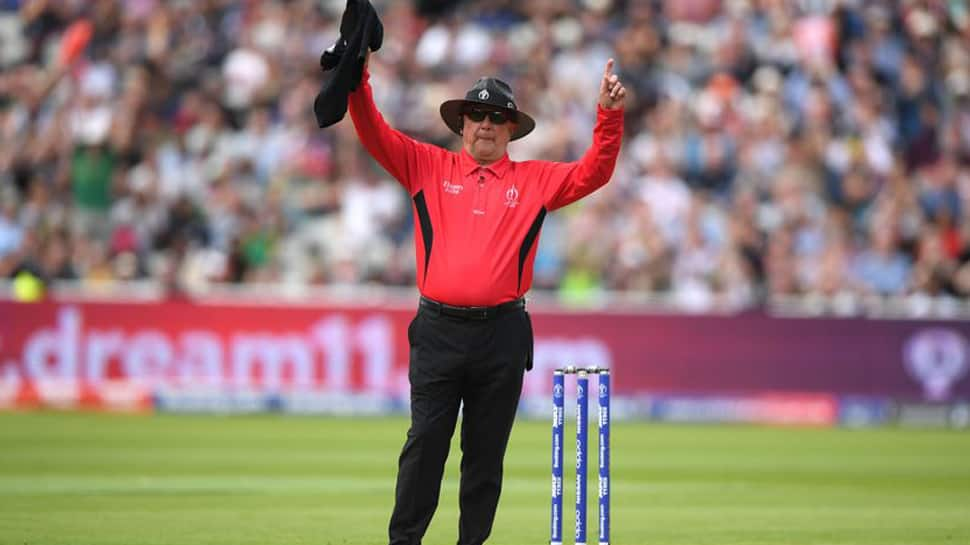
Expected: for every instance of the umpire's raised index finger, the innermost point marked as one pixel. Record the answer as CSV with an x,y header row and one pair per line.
x,y
609,68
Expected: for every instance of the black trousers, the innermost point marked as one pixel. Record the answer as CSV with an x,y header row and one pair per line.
x,y
477,365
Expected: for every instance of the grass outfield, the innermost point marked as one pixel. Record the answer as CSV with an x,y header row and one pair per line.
x,y
83,479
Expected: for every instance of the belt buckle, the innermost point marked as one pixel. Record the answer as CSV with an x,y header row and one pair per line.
x,y
479,313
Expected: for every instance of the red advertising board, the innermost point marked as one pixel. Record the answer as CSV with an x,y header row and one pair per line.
x,y
362,350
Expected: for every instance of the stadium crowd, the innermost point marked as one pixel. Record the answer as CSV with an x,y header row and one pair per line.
x,y
772,147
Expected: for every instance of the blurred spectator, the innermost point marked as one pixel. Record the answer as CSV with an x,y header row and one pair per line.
x,y
11,232
882,268
772,148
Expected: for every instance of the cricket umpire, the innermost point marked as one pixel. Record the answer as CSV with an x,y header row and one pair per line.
x,y
477,221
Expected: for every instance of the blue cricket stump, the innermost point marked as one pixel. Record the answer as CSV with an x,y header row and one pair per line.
x,y
558,411
582,451
604,457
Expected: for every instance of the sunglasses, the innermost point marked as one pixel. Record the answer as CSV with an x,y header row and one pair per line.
x,y
496,117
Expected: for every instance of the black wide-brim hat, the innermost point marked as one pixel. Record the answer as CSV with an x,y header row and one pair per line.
x,y
493,93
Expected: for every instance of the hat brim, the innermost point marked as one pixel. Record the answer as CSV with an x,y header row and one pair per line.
x,y
451,114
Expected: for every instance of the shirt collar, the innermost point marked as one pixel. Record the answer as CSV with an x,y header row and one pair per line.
x,y
469,165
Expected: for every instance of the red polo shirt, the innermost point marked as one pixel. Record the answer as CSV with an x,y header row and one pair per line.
x,y
477,227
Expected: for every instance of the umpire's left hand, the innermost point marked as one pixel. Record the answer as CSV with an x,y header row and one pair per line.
x,y
612,92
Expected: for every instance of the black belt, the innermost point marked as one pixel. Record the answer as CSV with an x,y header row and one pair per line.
x,y
472,313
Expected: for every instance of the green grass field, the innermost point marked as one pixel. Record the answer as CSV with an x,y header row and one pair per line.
x,y
83,479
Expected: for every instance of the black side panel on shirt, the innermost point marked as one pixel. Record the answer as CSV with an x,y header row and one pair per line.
x,y
427,233
530,239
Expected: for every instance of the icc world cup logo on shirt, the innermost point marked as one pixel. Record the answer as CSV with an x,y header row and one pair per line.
x,y
512,197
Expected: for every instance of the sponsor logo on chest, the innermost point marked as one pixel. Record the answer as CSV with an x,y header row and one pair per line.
x,y
454,189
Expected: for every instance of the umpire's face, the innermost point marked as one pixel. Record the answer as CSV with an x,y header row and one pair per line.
x,y
486,133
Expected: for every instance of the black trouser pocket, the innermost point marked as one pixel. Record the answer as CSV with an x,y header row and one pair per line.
x,y
530,339
411,328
